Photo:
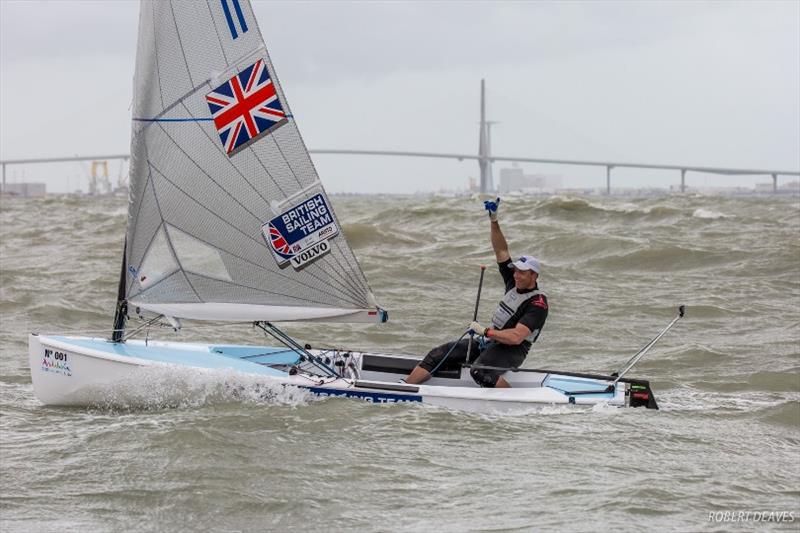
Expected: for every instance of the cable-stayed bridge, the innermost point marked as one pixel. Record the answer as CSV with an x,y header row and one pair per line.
x,y
484,157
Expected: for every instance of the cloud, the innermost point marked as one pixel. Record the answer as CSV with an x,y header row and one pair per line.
x,y
664,82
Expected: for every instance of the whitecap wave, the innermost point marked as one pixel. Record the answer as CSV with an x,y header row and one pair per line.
x,y
181,387
709,214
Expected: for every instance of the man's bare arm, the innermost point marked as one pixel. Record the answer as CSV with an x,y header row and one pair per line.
x,y
512,336
499,244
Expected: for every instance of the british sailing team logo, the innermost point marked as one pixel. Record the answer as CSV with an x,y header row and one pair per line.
x,y
300,235
245,108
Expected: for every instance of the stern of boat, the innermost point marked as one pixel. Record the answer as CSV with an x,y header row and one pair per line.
x,y
639,394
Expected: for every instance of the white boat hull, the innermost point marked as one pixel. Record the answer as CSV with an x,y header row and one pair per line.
x,y
82,371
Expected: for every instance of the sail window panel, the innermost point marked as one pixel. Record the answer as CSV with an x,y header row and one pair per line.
x,y
197,256
158,262
215,219
173,73
174,289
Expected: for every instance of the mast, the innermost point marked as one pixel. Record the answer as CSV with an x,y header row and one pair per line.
x,y
485,146
122,304
483,160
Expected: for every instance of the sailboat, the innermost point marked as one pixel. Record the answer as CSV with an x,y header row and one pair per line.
x,y
228,222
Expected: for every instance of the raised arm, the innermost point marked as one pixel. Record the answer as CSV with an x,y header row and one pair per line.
x,y
499,244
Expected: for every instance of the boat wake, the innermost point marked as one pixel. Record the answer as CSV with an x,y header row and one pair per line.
x,y
180,387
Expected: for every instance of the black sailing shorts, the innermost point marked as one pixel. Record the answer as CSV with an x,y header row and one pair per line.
x,y
493,354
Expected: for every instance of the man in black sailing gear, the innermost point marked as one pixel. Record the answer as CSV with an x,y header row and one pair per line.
x,y
516,323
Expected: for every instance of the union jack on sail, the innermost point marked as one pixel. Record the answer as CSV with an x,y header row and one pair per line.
x,y
278,242
245,108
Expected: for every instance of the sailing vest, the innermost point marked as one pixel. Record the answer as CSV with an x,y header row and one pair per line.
x,y
509,306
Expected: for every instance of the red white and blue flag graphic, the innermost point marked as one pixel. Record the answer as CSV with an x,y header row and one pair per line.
x,y
245,108
301,233
279,243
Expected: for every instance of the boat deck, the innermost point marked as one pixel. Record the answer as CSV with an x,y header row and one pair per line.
x,y
249,359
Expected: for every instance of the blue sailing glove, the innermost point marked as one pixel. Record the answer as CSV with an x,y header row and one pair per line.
x,y
491,207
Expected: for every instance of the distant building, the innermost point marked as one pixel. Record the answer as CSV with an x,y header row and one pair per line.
x,y
792,187
515,179
25,190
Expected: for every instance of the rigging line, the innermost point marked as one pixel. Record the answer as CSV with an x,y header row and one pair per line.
x,y
276,332
137,119
207,325
180,44
230,161
145,325
219,39
343,289
253,356
179,100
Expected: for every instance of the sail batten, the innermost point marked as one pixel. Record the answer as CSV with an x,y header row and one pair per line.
x,y
227,217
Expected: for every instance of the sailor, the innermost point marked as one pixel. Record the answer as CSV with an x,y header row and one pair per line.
x,y
516,323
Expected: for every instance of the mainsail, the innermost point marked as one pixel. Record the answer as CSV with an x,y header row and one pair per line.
x,y
227,217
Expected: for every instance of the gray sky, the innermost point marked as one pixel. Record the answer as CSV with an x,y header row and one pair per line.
x,y
704,83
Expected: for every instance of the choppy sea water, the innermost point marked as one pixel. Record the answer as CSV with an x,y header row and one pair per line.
x,y
727,377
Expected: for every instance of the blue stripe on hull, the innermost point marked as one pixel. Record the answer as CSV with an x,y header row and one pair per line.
x,y
374,397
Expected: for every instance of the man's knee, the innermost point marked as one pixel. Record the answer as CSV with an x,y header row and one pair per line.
x,y
484,378
433,358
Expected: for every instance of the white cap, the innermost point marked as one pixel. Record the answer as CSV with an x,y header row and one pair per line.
x,y
527,262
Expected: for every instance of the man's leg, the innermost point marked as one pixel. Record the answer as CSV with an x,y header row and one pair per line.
x,y
418,375
501,383
496,355
422,372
